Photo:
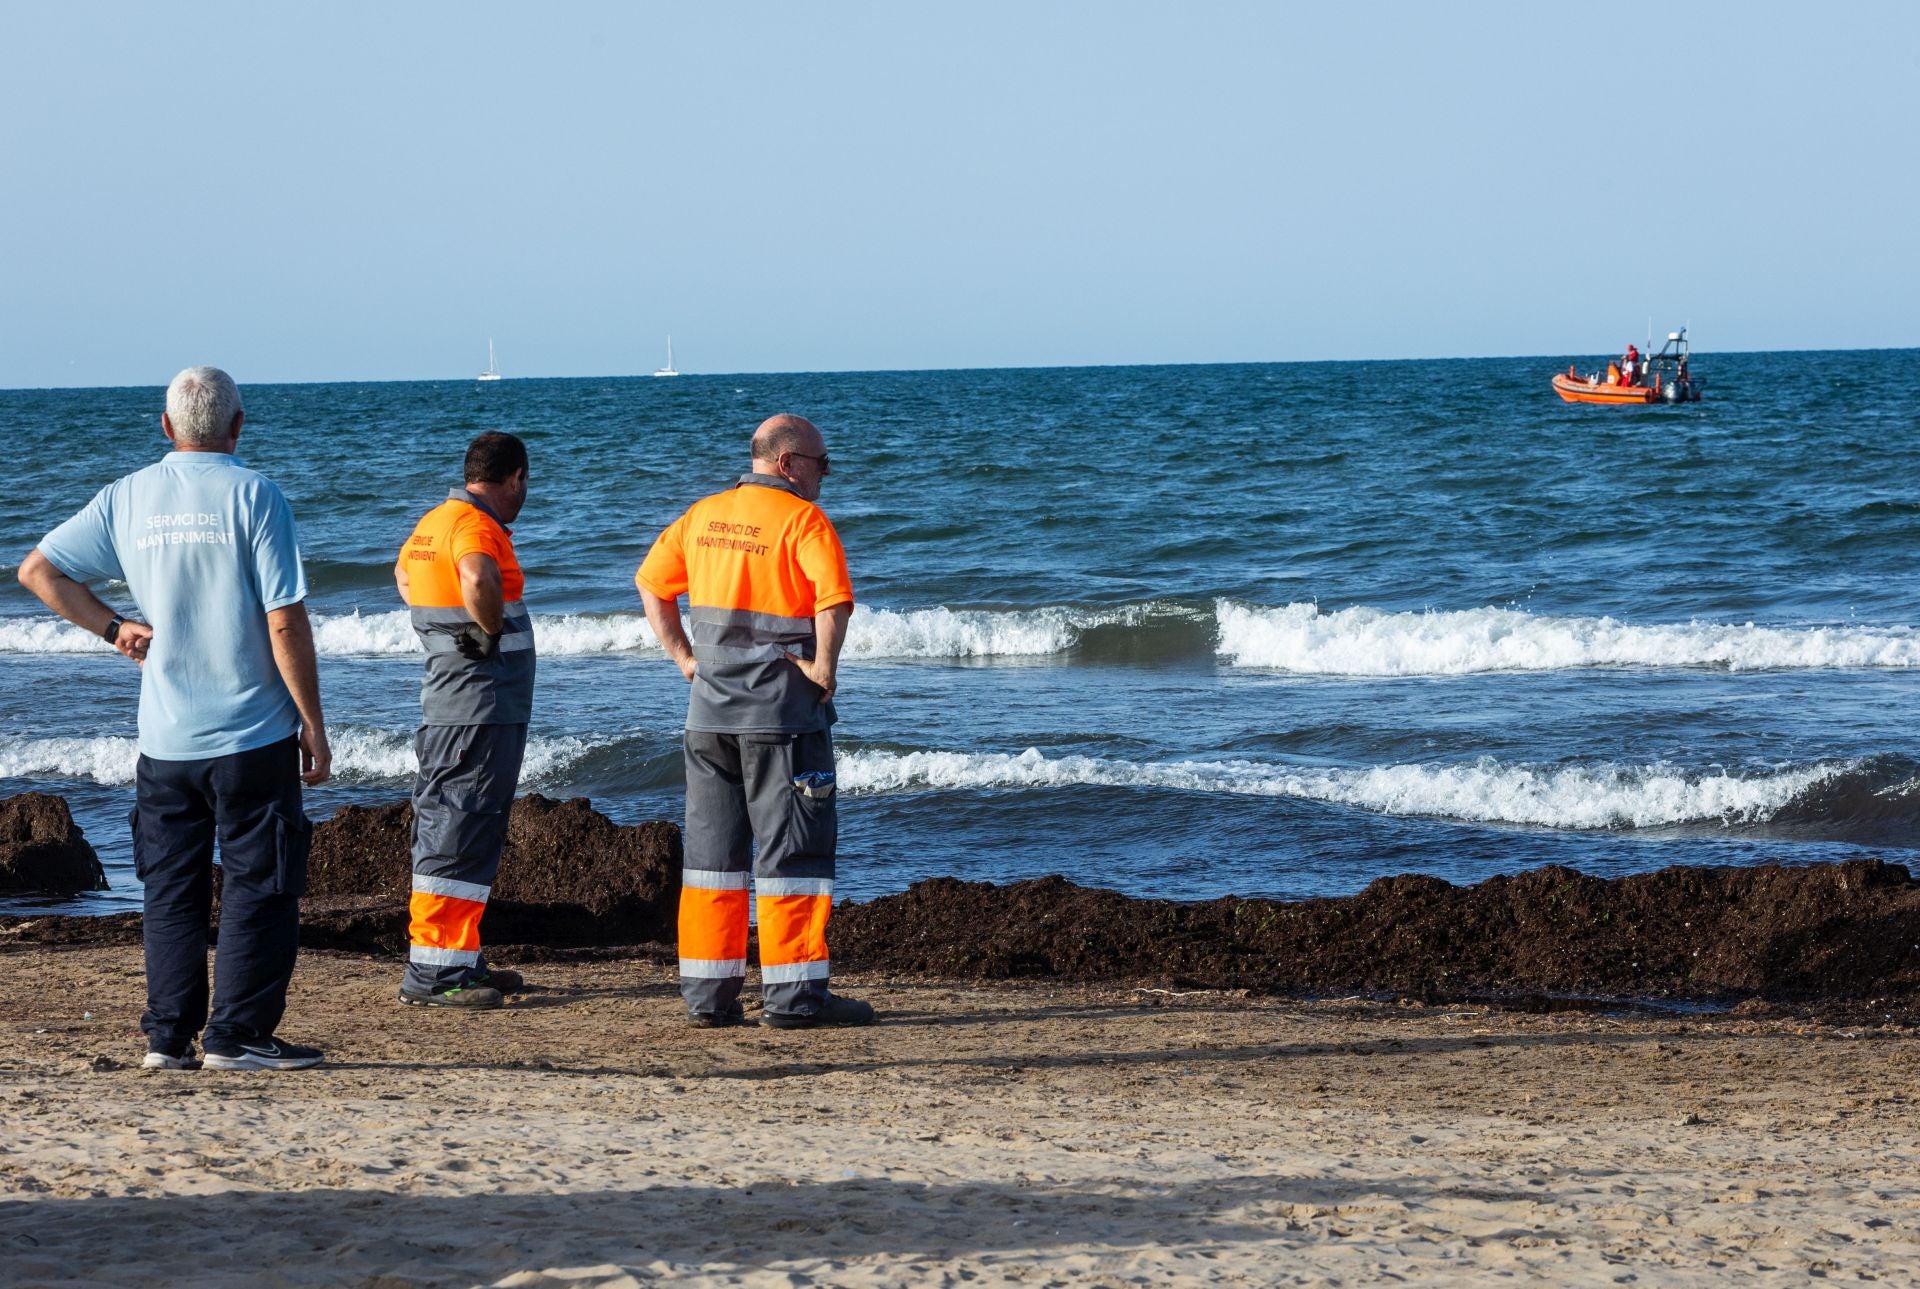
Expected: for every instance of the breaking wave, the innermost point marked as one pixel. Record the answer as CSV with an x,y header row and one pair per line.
x,y
1368,642
47,635
562,635
359,755
1828,798
1295,638
986,633
872,633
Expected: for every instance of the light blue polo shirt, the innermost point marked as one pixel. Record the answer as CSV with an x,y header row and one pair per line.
x,y
208,548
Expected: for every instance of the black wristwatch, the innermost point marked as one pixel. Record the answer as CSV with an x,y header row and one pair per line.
x,y
112,631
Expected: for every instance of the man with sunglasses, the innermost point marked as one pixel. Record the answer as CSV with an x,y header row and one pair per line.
x,y
769,597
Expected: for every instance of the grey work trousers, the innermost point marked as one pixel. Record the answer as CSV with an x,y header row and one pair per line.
x,y
462,796
763,805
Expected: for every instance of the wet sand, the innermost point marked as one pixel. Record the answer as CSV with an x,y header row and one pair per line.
x,y
985,1133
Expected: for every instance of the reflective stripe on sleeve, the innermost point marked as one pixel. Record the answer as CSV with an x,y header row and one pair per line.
x,y
433,957
707,879
713,968
793,971
448,887
771,886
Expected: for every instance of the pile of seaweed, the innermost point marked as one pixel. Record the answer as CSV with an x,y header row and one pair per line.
x,y
1823,931
569,878
572,880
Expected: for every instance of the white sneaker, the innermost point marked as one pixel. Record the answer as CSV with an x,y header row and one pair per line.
x,y
161,1061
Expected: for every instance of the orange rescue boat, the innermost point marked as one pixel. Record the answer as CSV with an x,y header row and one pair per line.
x,y
1667,379
1575,388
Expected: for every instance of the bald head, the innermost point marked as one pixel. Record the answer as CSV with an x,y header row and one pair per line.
x,y
790,446
786,433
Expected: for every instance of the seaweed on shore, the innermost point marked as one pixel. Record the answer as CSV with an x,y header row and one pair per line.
x,y
572,880
1822,931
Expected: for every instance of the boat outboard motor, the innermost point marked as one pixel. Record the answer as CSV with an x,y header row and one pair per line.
x,y
1670,392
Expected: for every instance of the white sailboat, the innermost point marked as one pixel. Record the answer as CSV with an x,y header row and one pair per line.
x,y
668,369
492,372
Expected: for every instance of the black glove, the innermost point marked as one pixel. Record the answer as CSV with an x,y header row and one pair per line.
x,y
475,644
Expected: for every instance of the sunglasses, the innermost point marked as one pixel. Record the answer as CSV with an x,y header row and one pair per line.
x,y
826,466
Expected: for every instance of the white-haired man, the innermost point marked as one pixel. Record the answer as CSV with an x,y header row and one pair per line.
x,y
230,722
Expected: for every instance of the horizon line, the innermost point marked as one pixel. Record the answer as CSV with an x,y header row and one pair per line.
x,y
909,371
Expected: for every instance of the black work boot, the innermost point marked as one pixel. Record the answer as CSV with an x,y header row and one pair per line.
x,y
507,982
835,1011
463,997
733,1015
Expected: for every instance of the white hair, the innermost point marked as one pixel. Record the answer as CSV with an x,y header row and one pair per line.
x,y
201,404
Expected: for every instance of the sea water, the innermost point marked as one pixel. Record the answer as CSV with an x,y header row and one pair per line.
x,y
1182,631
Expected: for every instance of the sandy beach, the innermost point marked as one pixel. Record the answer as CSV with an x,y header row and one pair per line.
x,y
1032,1134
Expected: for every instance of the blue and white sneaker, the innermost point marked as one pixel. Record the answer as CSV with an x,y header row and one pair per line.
x,y
262,1054
167,1061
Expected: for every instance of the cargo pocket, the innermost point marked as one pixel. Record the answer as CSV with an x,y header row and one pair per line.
x,y
461,825
815,797
293,842
139,851
816,817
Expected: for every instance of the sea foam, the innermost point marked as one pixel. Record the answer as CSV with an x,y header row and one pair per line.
x,y
557,635
1368,642
979,633
871,634
359,755
1485,791
1297,638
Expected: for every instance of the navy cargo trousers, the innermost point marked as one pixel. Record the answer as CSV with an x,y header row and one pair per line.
x,y
250,802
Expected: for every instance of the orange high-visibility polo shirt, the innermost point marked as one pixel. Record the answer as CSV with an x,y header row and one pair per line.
x,y
756,563
460,690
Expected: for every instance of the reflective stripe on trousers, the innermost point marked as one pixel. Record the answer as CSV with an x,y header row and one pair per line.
x,y
776,790
462,796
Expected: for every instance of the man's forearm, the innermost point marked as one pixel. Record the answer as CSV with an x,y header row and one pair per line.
x,y
292,637
72,600
485,607
481,592
663,615
830,633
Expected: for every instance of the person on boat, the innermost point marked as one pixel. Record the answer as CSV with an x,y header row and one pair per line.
x,y
1630,365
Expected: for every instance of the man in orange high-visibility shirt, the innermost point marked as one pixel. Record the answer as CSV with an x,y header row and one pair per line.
x,y
462,584
766,581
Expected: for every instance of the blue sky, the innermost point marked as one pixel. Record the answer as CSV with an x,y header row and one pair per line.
x,y
371,191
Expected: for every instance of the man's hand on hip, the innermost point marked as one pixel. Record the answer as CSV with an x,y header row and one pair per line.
x,y
476,643
686,665
818,670
316,757
133,639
